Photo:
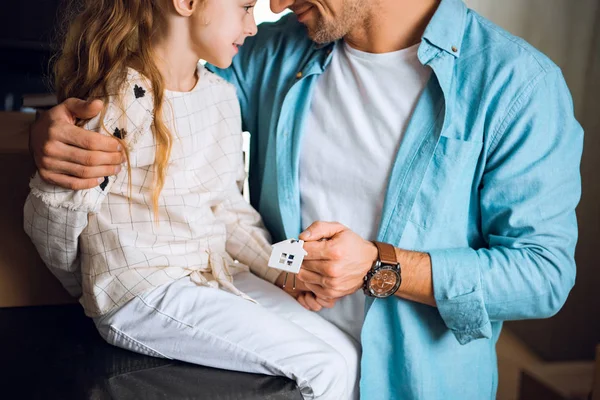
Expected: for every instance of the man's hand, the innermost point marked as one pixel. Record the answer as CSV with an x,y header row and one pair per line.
x,y
301,293
69,156
337,261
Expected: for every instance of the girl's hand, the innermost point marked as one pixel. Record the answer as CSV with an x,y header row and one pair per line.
x,y
304,296
289,284
311,302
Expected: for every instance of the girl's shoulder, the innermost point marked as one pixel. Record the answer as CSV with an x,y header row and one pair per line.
x,y
209,78
136,90
129,111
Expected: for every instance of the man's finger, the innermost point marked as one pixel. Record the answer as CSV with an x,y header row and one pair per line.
x,y
317,250
69,182
323,250
307,276
82,109
324,293
324,268
72,154
84,139
81,171
321,230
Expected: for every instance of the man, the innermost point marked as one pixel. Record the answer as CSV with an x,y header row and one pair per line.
x,y
425,127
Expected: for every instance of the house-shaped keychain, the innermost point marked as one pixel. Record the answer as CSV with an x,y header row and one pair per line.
x,y
288,255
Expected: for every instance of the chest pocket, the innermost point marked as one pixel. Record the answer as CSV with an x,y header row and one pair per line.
x,y
447,185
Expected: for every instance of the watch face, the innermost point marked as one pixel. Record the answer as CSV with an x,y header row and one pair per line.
x,y
384,282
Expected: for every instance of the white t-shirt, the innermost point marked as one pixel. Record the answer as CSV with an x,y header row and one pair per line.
x,y
360,109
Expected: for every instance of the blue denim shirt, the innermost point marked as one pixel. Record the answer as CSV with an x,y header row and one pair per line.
x,y
486,180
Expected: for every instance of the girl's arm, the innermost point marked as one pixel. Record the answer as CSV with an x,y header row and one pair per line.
x,y
55,233
247,239
54,217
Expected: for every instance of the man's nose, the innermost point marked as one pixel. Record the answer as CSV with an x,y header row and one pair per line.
x,y
278,6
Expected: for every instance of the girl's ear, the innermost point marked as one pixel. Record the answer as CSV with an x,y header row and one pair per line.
x,y
185,8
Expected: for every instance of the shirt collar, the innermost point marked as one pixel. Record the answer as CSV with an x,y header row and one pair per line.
x,y
445,31
447,27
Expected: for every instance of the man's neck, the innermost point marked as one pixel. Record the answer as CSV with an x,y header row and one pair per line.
x,y
392,25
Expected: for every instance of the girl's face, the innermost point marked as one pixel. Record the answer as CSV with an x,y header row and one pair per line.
x,y
219,27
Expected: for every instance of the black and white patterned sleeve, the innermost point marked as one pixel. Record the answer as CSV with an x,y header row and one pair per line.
x,y
55,217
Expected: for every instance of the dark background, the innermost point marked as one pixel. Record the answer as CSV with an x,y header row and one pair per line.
x,y
27,41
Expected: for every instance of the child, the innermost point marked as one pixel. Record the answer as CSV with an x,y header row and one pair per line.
x,y
151,250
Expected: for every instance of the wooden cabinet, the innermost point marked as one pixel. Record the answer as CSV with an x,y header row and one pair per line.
x,y
24,280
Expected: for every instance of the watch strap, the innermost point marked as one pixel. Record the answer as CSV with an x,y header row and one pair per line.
x,y
387,253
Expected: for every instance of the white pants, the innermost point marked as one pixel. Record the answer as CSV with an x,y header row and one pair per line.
x,y
348,314
214,328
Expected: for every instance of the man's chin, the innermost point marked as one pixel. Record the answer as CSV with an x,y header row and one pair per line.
x,y
319,32
314,33
320,36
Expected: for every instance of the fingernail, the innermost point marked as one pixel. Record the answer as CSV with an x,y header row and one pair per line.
x,y
119,148
123,159
100,180
306,233
117,169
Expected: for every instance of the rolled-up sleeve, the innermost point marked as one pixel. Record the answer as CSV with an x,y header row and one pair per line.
x,y
530,189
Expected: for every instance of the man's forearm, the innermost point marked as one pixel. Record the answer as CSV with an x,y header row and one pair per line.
x,y
417,282
336,267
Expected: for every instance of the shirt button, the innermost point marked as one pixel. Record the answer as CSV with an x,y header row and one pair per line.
x,y
299,75
454,49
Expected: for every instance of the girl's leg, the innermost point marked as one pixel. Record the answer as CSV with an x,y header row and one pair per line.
x,y
214,328
269,296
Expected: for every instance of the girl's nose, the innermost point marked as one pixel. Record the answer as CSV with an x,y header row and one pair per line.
x,y
251,28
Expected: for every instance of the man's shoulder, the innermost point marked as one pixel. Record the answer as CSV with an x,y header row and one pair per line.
x,y
502,73
492,49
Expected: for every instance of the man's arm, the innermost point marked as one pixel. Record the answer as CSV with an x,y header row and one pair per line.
x,y
336,267
530,188
529,191
69,156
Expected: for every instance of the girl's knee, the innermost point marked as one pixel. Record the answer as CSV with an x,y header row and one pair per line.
x,y
333,374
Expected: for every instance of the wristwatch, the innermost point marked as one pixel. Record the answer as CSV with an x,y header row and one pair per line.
x,y
384,278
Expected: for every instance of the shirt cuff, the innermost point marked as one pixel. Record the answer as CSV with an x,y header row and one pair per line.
x,y
271,275
261,269
459,294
